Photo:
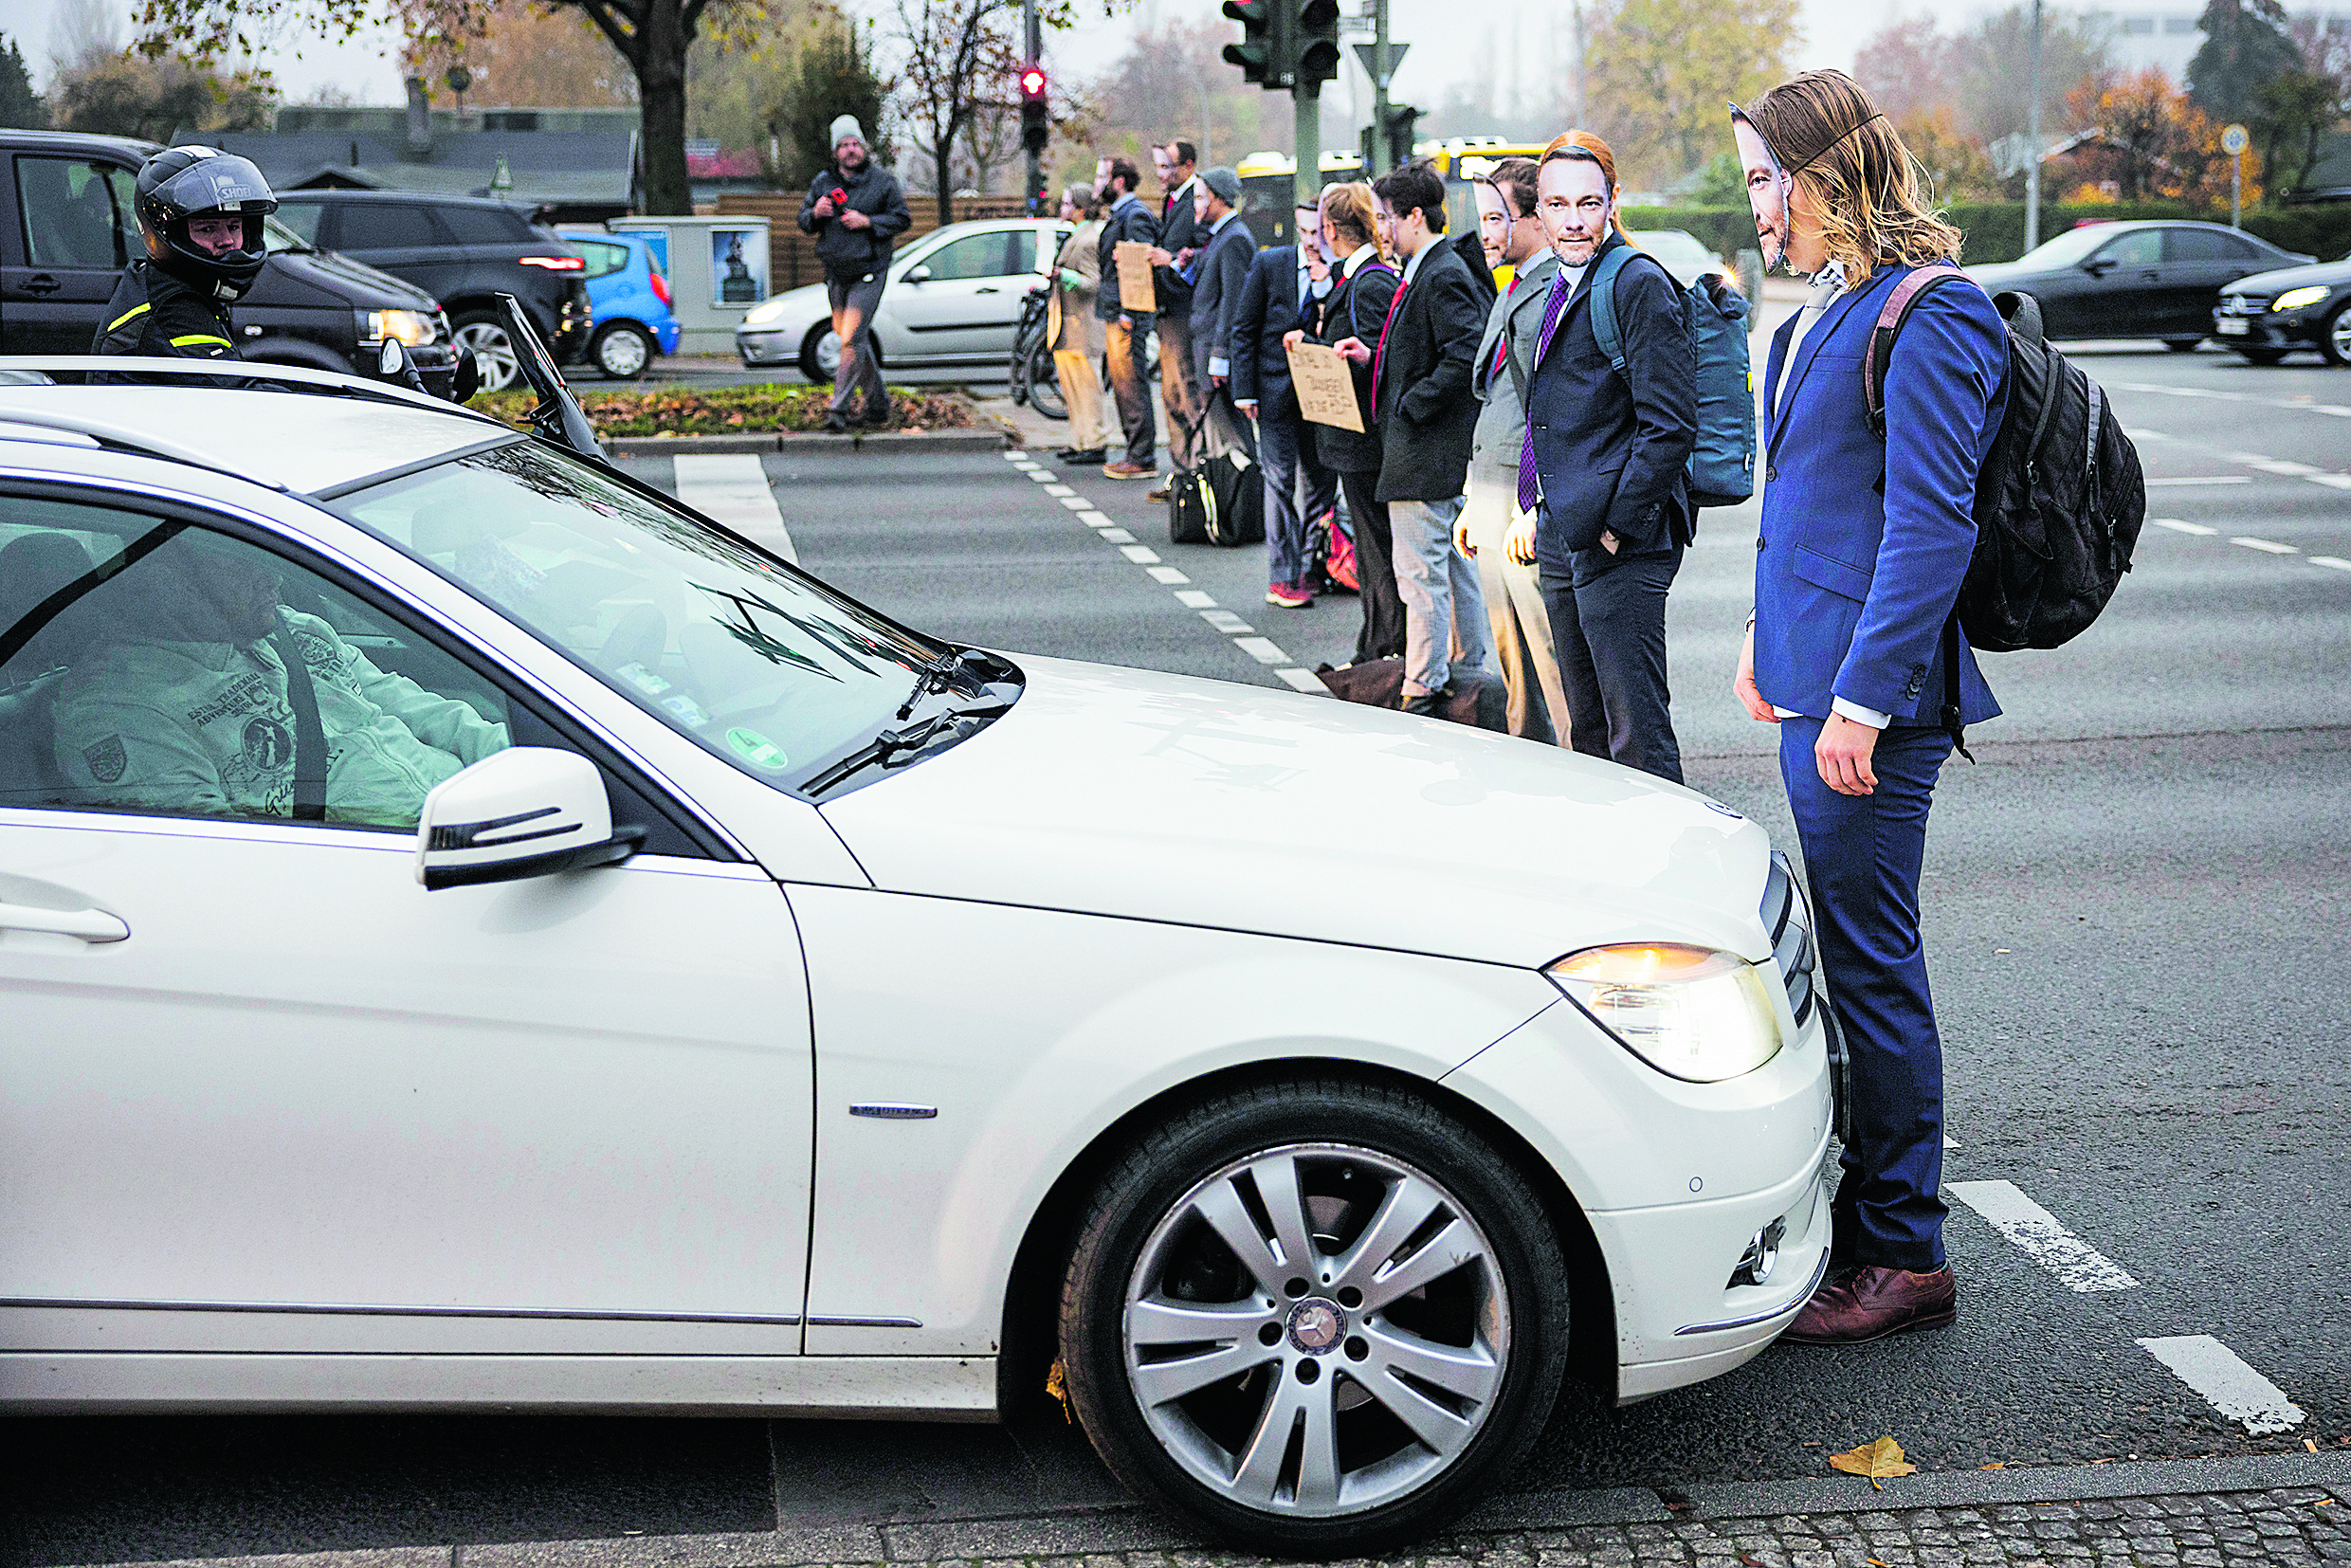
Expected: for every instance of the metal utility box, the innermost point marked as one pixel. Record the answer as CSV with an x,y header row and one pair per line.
x,y
717,266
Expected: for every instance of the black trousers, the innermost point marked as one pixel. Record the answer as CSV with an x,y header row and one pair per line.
x,y
1382,636
1610,636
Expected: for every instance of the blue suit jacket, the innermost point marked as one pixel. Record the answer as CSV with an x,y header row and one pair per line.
x,y
1269,310
1865,542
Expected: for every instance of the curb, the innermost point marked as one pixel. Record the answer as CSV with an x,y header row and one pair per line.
x,y
791,441
1129,1527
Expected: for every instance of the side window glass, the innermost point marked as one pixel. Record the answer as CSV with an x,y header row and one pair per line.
x,y
156,667
482,226
301,217
972,256
125,187
385,226
2140,247
1024,246
69,215
603,257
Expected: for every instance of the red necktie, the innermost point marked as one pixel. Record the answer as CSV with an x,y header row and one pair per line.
x,y
1379,358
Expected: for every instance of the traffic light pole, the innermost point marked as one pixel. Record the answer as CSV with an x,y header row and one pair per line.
x,y
1034,191
1379,89
1306,112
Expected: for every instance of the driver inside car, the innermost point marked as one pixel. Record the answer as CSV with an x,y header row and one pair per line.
x,y
179,700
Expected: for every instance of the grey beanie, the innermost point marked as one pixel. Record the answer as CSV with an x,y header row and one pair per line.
x,y
844,128
1225,183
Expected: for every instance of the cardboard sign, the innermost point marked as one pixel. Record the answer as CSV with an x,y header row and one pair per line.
x,y
1325,388
1136,296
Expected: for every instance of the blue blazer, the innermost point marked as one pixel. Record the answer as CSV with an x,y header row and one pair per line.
x,y
1269,310
1865,542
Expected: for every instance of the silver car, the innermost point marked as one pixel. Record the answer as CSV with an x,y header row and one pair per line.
x,y
954,298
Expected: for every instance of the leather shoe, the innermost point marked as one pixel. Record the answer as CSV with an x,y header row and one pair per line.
x,y
1871,1303
1428,704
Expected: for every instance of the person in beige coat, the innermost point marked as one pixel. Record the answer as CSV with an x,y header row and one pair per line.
x,y
1073,330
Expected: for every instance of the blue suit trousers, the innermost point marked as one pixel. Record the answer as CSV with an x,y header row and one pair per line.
x,y
1861,857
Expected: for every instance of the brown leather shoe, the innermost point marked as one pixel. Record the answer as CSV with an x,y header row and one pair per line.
x,y
1871,1304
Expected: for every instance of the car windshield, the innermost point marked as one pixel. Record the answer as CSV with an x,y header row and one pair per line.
x,y
277,236
2068,248
750,659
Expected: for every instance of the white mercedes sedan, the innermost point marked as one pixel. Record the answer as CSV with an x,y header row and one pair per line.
x,y
474,934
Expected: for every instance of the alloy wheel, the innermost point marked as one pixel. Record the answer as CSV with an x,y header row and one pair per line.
x,y
622,352
493,352
2338,335
1315,1330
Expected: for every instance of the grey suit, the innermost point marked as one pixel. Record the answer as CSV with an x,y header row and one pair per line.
x,y
1514,606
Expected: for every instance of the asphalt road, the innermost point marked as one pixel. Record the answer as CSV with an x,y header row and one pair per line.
x,y
2136,904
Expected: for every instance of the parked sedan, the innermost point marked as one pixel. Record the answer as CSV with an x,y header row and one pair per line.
x,y
2135,280
2269,315
954,298
475,934
1684,255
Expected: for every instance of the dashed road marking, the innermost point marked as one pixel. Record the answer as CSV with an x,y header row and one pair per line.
x,y
2273,465
1304,680
2337,410
1060,490
2200,479
1075,502
1168,575
2333,481
2335,561
1192,598
1116,536
1226,622
732,491
2178,527
1142,554
2145,435
1262,649
1096,520
2227,1383
2036,1230
2270,545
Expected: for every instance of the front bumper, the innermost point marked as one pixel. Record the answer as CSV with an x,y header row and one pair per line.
x,y
2271,329
766,345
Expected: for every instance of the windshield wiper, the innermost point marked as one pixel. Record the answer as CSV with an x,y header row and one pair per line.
x,y
891,743
941,673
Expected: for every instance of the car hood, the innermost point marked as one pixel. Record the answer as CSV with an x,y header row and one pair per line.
x,y
321,277
800,306
2278,281
1162,797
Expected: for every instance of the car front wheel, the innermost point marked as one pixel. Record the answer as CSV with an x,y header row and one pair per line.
x,y
820,353
493,350
2335,342
621,350
2261,357
2182,345
1314,1315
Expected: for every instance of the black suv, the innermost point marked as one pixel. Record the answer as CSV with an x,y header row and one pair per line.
x,y
67,231
462,251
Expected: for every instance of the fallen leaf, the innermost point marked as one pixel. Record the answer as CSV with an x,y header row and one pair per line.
x,y
1995,1465
2311,1446
1058,1386
1874,1459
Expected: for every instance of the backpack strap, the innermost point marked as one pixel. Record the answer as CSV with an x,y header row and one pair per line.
x,y
1603,287
1880,358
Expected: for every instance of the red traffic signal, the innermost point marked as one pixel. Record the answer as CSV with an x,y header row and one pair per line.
x,y
1032,84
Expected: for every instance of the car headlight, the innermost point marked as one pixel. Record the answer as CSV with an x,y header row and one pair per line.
x,y
1694,1013
412,327
759,314
2294,299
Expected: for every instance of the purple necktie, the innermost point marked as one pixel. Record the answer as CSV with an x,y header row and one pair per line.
x,y
1553,309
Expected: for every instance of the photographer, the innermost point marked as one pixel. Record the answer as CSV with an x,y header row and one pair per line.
x,y
856,212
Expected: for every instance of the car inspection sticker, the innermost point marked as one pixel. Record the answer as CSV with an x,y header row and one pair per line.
x,y
757,750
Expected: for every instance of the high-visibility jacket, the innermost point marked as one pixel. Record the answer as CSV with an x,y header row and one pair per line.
x,y
155,315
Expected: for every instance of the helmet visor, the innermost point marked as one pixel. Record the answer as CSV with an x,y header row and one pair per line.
x,y
223,183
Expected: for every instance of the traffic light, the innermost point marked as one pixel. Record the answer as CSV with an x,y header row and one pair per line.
x,y
1400,132
1263,53
1036,115
1315,42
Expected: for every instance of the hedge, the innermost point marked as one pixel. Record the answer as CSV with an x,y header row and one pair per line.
x,y
757,408
1995,231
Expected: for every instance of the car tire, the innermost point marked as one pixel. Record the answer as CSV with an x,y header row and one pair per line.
x,y
2184,345
812,354
1257,1432
621,350
2335,337
2261,357
493,350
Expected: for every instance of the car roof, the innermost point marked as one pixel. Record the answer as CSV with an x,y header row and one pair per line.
x,y
295,443
405,198
137,147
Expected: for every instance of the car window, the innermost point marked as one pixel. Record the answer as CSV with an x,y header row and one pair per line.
x,y
1024,252
604,257
483,226
972,256
158,667
301,217
2204,244
384,225
2139,247
759,664
70,213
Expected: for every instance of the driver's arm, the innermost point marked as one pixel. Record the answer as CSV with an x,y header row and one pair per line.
x,y
114,751
445,723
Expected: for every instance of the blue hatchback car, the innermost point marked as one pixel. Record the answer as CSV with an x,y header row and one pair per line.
x,y
630,301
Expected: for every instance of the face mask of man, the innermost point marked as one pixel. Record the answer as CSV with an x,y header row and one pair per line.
x,y
1767,190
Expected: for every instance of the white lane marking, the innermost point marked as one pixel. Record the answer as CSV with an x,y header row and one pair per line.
x,y
2178,527
1950,1142
1043,476
2333,481
1262,649
732,491
1168,575
2036,1230
2232,1388
1116,536
1096,520
2335,561
1226,621
2270,545
2145,435
1075,502
2203,478
1060,490
2335,409
2273,465
1192,598
1142,554
1304,680
1013,454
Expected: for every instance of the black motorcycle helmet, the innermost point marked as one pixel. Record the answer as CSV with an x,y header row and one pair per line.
x,y
180,183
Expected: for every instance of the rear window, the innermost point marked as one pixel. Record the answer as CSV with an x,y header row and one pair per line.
x,y
604,257
484,225
385,226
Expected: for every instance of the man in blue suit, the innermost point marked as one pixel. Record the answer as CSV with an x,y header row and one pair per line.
x,y
1299,489
1853,646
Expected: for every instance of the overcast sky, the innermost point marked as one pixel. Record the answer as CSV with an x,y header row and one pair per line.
x,y
1443,50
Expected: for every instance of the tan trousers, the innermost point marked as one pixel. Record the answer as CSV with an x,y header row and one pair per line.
x,y
1081,389
1179,389
1514,609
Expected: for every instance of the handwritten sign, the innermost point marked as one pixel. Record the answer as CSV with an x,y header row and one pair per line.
x,y
1326,390
1135,292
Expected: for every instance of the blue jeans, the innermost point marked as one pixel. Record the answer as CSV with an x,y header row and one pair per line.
x,y
1443,608
1862,855
1294,481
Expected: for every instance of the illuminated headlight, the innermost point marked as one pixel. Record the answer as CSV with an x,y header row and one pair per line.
x,y
412,327
760,314
2294,299
1691,1013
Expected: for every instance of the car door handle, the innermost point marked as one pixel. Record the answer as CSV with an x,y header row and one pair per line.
x,y
91,925
39,284
986,288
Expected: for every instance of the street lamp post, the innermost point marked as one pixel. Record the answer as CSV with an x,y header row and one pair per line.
x,y
2032,141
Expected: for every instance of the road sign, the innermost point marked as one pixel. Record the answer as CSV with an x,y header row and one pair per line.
x,y
2235,139
1369,55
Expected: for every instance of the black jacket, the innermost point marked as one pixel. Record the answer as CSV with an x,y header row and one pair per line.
x,y
1427,412
1178,231
1613,450
1266,313
153,314
1133,221
848,255
1222,271
1355,307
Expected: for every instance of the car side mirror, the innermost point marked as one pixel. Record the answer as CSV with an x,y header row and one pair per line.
x,y
2098,266
466,380
525,811
918,275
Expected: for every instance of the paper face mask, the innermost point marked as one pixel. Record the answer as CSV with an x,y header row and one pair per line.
x,y
1767,185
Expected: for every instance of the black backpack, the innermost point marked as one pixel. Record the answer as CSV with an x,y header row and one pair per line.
x,y
2059,501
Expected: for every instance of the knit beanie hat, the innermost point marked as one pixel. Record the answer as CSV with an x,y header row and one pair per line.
x,y
844,128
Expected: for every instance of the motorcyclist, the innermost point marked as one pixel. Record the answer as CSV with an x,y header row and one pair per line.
x,y
200,214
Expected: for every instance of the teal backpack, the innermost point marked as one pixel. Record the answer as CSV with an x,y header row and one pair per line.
x,y
1722,464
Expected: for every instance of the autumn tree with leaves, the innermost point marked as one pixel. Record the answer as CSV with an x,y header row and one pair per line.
x,y
1656,73
2155,144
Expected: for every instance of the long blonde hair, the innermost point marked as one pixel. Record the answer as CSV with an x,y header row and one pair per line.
x,y
1349,209
1872,196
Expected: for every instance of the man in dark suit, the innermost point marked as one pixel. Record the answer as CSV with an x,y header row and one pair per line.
x,y
1182,237
1218,275
1126,331
1420,386
1298,487
1607,452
